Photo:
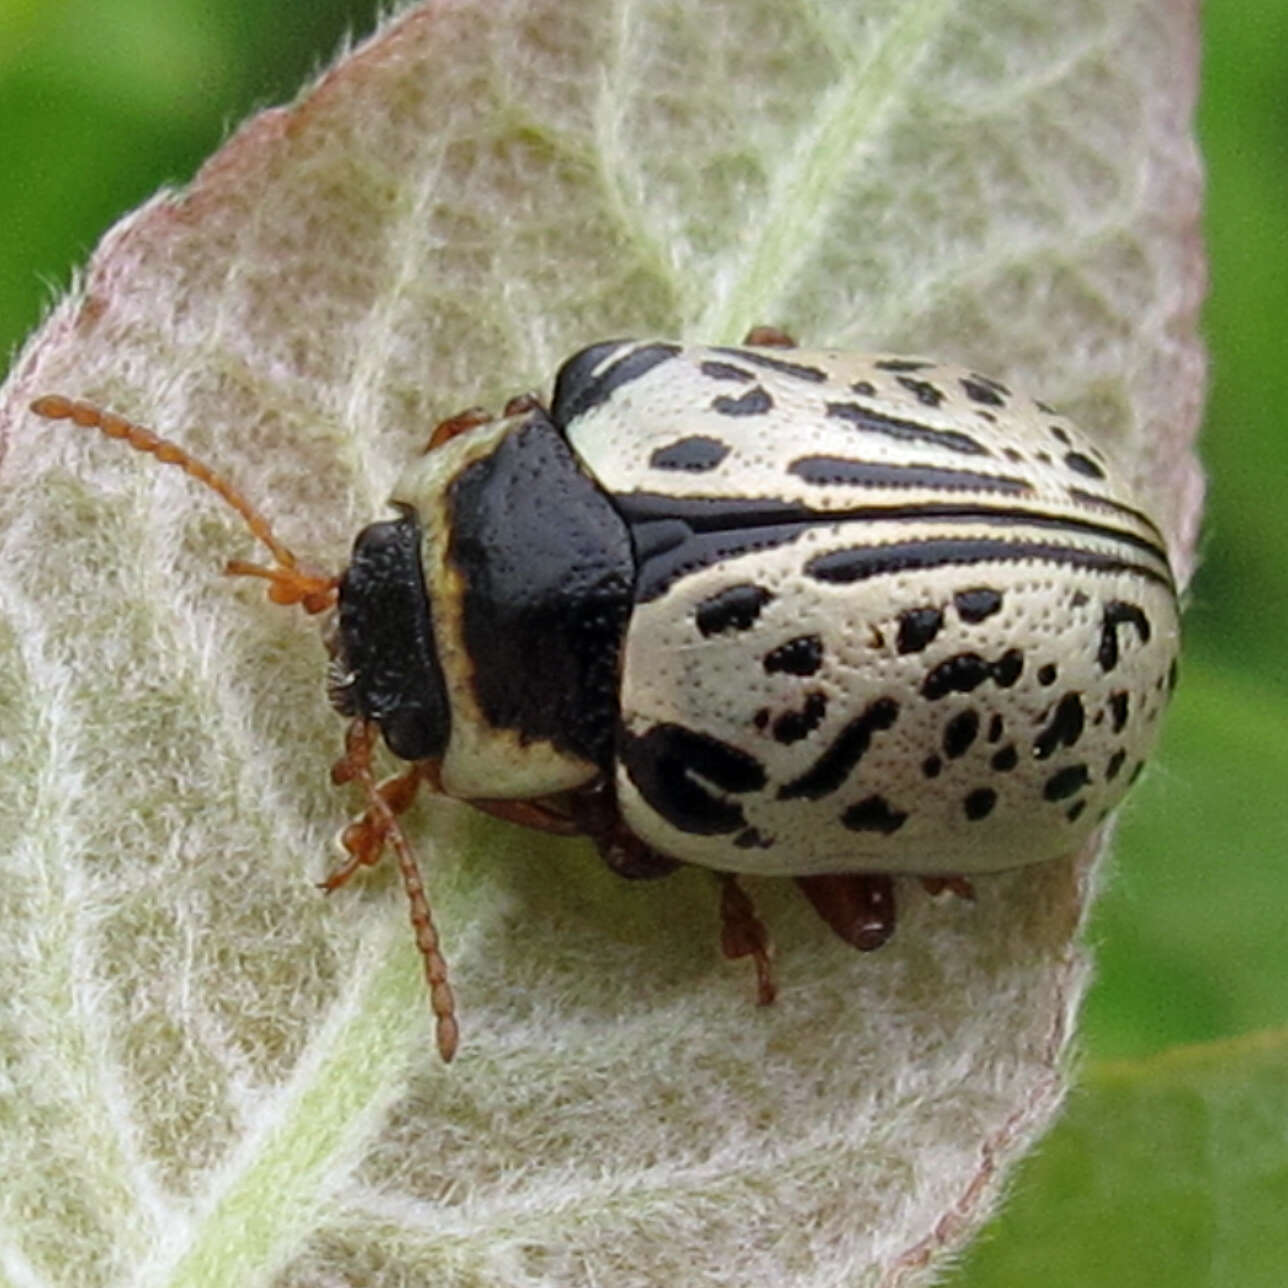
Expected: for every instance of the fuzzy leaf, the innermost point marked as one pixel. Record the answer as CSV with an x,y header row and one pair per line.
x,y
214,1076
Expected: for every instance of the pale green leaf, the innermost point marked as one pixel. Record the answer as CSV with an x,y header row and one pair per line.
x,y
213,1076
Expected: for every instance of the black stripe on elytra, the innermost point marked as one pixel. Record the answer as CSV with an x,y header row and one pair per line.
x,y
1130,511
668,764
724,371
902,364
856,563
840,470
694,454
755,402
835,765
577,390
813,374
675,536
905,431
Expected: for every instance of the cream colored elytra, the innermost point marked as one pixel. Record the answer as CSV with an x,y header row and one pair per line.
x,y
891,616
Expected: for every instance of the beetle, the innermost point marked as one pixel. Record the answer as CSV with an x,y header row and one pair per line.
x,y
757,608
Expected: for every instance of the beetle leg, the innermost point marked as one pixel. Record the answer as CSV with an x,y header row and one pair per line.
x,y
366,839
743,934
533,814
470,418
858,906
769,337
594,810
960,886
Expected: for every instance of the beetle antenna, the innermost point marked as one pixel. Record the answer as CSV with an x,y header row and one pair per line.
x,y
367,838
290,584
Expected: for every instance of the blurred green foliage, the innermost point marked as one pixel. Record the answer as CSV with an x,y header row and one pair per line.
x,y
101,103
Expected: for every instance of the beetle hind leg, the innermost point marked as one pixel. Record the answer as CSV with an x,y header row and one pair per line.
x,y
858,906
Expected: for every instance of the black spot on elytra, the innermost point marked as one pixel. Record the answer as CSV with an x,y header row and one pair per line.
x,y
755,402
1118,613
1136,773
1064,728
802,655
960,733
1013,454
734,608
1115,764
1066,783
1173,674
864,387
1077,599
1005,759
694,454
1047,674
761,718
724,371
979,803
917,627
834,766
995,728
964,672
1075,811
1118,706
1060,434
981,391
931,766
873,814
927,394
1083,465
978,603
751,839
1043,408
1043,458
792,726
671,765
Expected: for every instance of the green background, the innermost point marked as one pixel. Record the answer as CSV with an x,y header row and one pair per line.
x,y
1172,1165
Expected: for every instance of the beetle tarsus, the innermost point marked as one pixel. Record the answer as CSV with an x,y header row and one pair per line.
x,y
956,885
743,934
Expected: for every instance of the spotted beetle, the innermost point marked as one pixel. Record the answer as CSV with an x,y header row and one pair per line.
x,y
756,608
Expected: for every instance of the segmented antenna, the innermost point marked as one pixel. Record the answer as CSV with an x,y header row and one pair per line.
x,y
289,583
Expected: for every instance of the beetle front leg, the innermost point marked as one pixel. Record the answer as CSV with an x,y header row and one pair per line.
x,y
743,934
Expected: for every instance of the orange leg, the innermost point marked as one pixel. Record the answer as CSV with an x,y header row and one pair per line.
x,y
743,934
365,841
960,886
858,906
768,337
445,430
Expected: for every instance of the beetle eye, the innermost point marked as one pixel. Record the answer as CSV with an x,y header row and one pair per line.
x,y
385,666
